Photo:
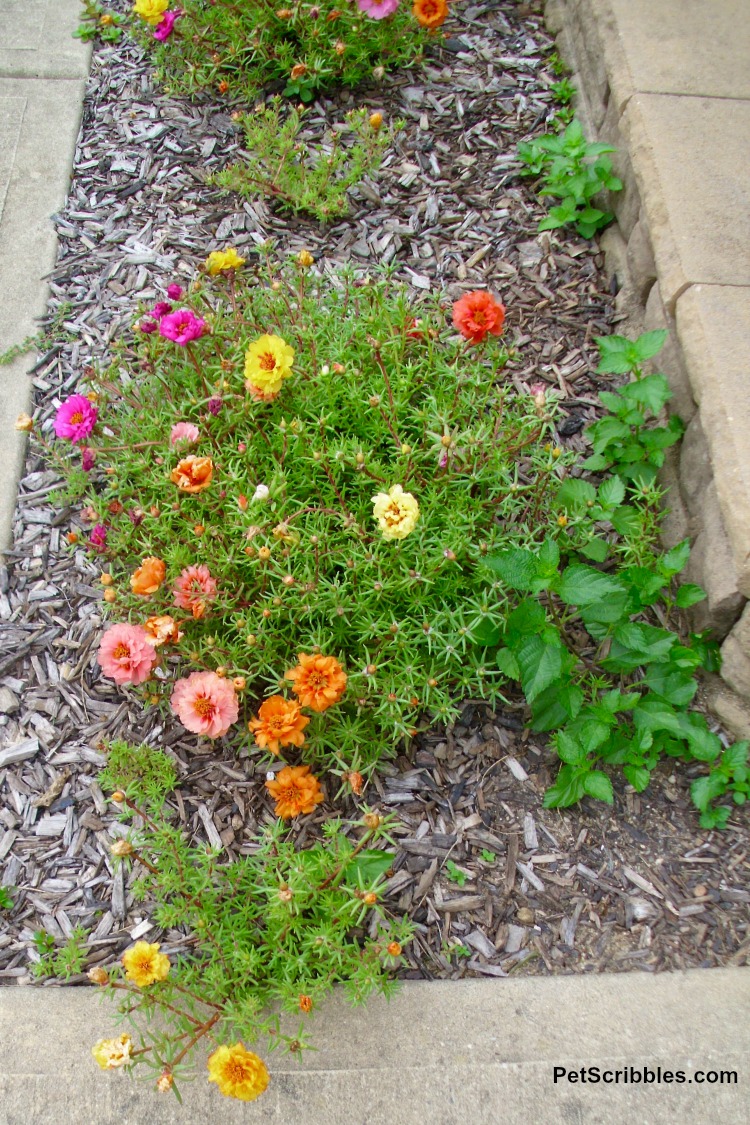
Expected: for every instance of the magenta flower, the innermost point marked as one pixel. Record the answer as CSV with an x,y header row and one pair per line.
x,y
182,326
378,9
214,406
160,309
165,28
88,457
148,326
174,291
98,537
75,418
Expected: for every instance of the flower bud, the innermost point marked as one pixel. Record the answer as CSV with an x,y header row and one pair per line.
x,y
25,423
562,521
372,821
370,899
121,848
355,779
304,257
378,73
251,639
285,895
374,400
239,683
98,975
164,1081
376,121
394,949
110,596
264,553
118,796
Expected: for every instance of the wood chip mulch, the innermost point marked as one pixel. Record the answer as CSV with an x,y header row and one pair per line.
x,y
493,882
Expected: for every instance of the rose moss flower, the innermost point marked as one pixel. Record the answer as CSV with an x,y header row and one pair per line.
x,y
478,313
148,577
238,1073
378,9
174,291
317,681
162,630
160,309
280,723
182,326
430,13
220,261
185,432
152,11
113,1053
125,654
396,511
88,458
295,790
193,474
165,28
144,964
194,589
268,361
75,418
98,537
205,704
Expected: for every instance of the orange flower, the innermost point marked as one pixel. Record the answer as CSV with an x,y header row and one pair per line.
x,y
193,474
478,313
280,723
305,1003
430,13
317,681
162,630
148,577
355,779
194,589
295,791
298,71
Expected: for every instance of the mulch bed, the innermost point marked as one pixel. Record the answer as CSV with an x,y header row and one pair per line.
x,y
636,886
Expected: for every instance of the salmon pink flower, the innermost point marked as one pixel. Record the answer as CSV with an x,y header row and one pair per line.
x,y
478,313
194,589
182,326
164,29
162,630
125,654
184,432
205,703
75,418
378,9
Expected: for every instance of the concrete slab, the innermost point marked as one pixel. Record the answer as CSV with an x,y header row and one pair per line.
x,y
36,40
655,49
39,124
442,1052
713,328
691,158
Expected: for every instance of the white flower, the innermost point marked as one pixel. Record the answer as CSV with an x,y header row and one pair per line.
x,y
261,493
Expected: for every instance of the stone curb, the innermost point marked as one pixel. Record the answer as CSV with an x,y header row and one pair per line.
x,y
43,73
668,85
442,1052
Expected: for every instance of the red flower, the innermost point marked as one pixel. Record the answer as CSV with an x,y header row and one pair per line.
x,y
478,313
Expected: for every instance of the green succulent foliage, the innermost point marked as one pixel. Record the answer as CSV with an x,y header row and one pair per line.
x,y
6,898
298,176
241,49
613,687
143,773
266,929
573,171
63,962
100,22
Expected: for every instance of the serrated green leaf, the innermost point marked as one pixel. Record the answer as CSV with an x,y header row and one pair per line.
x,y
569,749
567,790
625,520
597,784
582,585
675,560
611,492
528,617
486,633
540,665
689,594
638,776
517,568
556,706
614,355
508,664
595,549
574,494
368,866
735,756
648,344
549,556
704,789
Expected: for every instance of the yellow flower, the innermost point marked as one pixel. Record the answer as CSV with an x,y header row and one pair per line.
x,y
144,964
396,511
150,10
25,423
220,260
305,259
268,361
238,1073
113,1053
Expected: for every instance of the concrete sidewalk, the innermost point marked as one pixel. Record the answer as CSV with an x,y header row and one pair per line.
x,y
443,1053
43,72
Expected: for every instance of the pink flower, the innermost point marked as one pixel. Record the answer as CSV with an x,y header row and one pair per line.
x,y
160,309
214,406
88,457
194,588
147,326
75,418
182,326
125,654
98,537
205,703
165,28
378,9
174,291
184,432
